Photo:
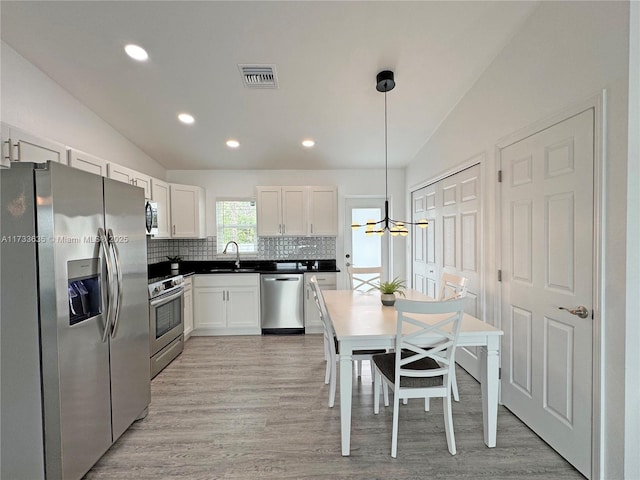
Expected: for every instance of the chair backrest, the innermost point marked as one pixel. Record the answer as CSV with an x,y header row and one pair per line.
x,y
435,338
324,314
365,279
452,286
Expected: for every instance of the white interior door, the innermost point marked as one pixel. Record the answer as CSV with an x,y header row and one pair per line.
x,y
451,243
361,250
546,259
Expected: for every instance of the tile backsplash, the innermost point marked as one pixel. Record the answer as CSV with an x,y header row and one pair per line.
x,y
269,248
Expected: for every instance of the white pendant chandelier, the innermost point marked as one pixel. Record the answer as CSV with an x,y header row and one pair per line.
x,y
385,83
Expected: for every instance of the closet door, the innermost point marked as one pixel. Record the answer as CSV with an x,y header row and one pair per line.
x,y
451,243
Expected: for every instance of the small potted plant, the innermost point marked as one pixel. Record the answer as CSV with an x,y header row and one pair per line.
x,y
389,290
174,262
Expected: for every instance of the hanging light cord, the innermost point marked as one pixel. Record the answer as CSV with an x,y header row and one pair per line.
x,y
387,224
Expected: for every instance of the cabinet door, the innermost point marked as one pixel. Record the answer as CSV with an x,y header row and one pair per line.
x,y
87,162
120,173
160,195
294,210
5,159
143,181
127,175
242,307
323,211
187,215
269,211
209,307
24,147
188,309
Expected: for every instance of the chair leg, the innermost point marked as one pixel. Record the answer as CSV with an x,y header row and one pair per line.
x,y
454,385
448,424
394,435
426,404
385,387
359,368
327,373
376,393
332,385
405,401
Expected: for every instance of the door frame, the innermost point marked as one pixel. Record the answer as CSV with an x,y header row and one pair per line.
x,y
596,102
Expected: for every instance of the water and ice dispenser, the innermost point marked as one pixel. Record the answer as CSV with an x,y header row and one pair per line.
x,y
84,288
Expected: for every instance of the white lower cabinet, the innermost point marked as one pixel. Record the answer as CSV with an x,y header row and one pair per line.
x,y
326,281
226,304
188,307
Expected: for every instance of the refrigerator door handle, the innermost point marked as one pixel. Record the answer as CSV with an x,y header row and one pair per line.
x,y
107,260
116,258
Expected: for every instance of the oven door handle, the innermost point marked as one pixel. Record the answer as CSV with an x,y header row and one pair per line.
x,y
165,299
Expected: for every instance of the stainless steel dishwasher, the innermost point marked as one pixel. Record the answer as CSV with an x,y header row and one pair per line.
x,y
281,303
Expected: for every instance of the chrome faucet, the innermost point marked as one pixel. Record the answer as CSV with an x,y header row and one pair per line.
x,y
237,252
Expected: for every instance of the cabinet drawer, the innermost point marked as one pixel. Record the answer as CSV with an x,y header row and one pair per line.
x,y
227,280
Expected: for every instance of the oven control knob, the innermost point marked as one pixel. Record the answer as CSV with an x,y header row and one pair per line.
x,y
156,290
175,282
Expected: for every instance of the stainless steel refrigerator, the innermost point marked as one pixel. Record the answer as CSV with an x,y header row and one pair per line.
x,y
74,325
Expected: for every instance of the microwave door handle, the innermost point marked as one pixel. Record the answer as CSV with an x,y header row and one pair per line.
x,y
116,258
107,260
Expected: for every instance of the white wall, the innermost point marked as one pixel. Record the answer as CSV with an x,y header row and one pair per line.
x,y
564,54
241,183
33,102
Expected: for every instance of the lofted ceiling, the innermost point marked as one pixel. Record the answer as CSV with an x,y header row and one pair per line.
x,y
327,55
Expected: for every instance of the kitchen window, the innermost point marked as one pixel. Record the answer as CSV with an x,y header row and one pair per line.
x,y
236,221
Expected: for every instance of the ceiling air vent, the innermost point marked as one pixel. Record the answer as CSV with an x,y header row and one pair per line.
x,y
259,76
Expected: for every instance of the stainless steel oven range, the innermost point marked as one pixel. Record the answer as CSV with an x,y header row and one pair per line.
x,y
166,323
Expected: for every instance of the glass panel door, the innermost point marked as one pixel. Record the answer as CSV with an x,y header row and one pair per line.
x,y
363,250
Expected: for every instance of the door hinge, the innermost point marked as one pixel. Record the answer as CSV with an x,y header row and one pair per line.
x,y
499,176
499,275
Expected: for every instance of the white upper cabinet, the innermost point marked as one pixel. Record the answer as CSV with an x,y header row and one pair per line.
x,y
87,162
323,211
297,211
20,146
282,211
127,175
187,211
160,195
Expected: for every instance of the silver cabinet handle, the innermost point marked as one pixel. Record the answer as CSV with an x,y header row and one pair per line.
x,y
580,311
312,228
174,229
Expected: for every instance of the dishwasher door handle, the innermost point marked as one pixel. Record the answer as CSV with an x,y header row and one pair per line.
x,y
281,279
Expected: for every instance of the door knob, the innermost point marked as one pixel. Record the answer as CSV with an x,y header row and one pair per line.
x,y
348,264
580,311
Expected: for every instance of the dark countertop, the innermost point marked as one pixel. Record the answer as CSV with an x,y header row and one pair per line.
x,y
246,266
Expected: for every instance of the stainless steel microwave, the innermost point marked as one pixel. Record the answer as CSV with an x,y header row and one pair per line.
x,y
151,217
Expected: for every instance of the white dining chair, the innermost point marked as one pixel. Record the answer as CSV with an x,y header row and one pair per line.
x,y
423,362
331,345
364,279
451,287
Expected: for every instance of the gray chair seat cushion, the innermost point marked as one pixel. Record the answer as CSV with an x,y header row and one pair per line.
x,y
386,363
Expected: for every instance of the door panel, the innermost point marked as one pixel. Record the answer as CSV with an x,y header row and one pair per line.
x,y
450,243
130,368
547,252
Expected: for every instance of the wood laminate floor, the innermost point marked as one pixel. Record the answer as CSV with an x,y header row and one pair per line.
x,y
255,407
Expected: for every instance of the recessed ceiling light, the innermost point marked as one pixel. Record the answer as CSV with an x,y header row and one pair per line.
x,y
186,118
308,143
136,52
233,143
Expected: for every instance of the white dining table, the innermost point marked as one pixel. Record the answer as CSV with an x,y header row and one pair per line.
x,y
361,322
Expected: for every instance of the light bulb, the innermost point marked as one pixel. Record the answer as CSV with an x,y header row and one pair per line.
x,y
422,223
